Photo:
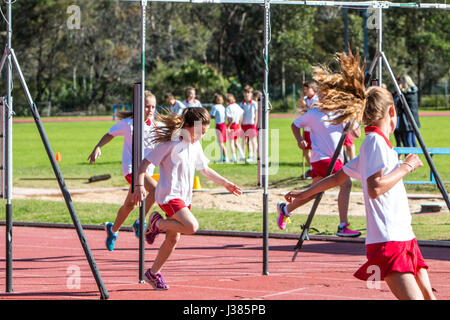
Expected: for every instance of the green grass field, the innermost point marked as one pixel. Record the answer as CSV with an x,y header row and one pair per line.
x,y
75,141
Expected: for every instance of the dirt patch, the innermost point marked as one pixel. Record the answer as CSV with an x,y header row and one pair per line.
x,y
249,201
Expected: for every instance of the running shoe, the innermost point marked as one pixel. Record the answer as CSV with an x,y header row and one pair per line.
x,y
282,218
347,232
110,236
152,231
136,227
156,280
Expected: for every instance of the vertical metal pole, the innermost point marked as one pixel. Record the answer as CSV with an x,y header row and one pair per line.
x,y
265,138
366,37
8,157
141,143
380,44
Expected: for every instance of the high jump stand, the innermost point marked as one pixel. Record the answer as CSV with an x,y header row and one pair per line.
x,y
9,57
379,58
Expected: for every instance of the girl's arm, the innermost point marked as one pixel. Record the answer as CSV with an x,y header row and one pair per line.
x,y
140,193
217,178
97,152
298,136
326,183
378,184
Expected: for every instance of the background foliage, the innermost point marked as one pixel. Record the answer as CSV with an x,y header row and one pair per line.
x,y
211,47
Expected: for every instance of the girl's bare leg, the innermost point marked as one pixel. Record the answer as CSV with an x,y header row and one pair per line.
x,y
404,286
164,252
424,284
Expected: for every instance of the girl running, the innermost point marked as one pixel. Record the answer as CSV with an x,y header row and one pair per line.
x,y
178,154
392,251
125,128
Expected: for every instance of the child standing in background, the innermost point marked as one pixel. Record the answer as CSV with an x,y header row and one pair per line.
x,y
218,113
249,124
393,254
234,115
308,99
173,104
190,99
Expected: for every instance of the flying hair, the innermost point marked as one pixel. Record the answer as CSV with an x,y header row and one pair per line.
x,y
342,93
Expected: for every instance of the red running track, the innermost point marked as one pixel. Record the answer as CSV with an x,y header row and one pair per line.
x,y
201,268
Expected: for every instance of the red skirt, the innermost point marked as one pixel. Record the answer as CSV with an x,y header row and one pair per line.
x,y
249,130
385,257
349,140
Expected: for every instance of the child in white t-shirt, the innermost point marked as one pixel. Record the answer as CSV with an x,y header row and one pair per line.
x,y
190,99
392,250
249,124
175,105
218,113
325,138
178,154
308,100
125,128
234,115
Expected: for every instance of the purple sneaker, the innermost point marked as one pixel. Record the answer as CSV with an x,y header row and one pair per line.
x,y
156,280
346,232
152,231
282,220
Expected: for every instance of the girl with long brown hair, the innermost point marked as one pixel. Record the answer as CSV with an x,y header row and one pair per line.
x,y
178,154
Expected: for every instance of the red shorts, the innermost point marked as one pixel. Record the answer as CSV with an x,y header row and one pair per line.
x,y
249,130
129,178
320,168
173,206
235,131
349,140
307,137
385,257
221,130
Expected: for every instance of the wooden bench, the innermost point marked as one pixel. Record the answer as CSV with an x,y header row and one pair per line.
x,y
431,151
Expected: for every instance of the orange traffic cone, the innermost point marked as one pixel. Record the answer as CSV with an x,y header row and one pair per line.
x,y
58,157
197,185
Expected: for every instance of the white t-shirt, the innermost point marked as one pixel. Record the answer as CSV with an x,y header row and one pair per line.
x,y
177,107
387,217
235,112
195,104
125,128
218,112
177,161
310,102
325,136
250,109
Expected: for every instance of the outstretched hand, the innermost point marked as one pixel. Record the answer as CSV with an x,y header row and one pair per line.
x,y
291,195
96,153
234,189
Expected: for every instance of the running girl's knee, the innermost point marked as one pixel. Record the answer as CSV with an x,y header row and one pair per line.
x,y
191,227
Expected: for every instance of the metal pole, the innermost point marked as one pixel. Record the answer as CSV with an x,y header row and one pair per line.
x,y
141,143
380,44
265,138
62,184
8,157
